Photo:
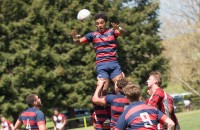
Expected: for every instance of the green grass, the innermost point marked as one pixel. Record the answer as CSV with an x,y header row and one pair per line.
x,y
189,120
88,128
49,123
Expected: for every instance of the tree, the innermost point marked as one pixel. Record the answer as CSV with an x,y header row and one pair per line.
x,y
39,57
141,53
182,45
37,54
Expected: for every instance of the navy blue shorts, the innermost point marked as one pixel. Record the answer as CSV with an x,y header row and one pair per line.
x,y
108,70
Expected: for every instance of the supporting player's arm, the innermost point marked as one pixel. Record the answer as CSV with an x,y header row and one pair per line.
x,y
97,98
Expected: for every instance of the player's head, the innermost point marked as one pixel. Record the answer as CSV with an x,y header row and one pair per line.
x,y
56,111
122,82
155,78
132,92
2,118
100,22
33,100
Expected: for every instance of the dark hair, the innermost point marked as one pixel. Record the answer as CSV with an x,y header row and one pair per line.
x,y
30,99
121,83
56,109
101,15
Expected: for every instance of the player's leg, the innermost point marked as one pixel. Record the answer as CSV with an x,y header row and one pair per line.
x,y
105,87
116,73
121,75
102,74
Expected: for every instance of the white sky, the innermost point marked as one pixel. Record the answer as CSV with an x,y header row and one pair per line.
x,y
179,16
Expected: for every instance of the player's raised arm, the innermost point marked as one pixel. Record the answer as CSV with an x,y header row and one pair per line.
x,y
75,36
117,27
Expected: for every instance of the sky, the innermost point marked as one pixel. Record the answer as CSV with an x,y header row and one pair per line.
x,y
178,17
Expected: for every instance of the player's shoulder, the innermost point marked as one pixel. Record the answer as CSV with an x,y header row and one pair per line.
x,y
159,92
146,106
110,97
61,114
93,33
39,112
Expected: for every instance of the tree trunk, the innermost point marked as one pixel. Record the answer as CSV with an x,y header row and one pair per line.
x,y
71,114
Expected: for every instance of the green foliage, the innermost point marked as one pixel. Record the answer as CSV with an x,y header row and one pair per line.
x,y
140,51
38,56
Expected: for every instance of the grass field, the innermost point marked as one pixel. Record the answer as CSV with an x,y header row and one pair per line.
x,y
187,121
88,128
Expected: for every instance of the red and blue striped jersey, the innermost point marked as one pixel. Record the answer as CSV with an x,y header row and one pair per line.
x,y
139,116
99,116
156,99
163,102
104,44
172,114
32,118
117,102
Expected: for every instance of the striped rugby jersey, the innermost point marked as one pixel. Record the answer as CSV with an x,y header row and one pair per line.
x,y
139,116
32,118
104,44
99,116
118,102
163,102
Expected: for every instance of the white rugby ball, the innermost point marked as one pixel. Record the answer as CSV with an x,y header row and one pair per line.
x,y
83,14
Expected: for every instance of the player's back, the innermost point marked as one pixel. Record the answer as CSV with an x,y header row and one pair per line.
x,y
118,103
100,115
141,116
29,118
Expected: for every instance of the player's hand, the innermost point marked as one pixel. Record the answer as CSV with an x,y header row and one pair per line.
x,y
115,26
100,82
74,33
